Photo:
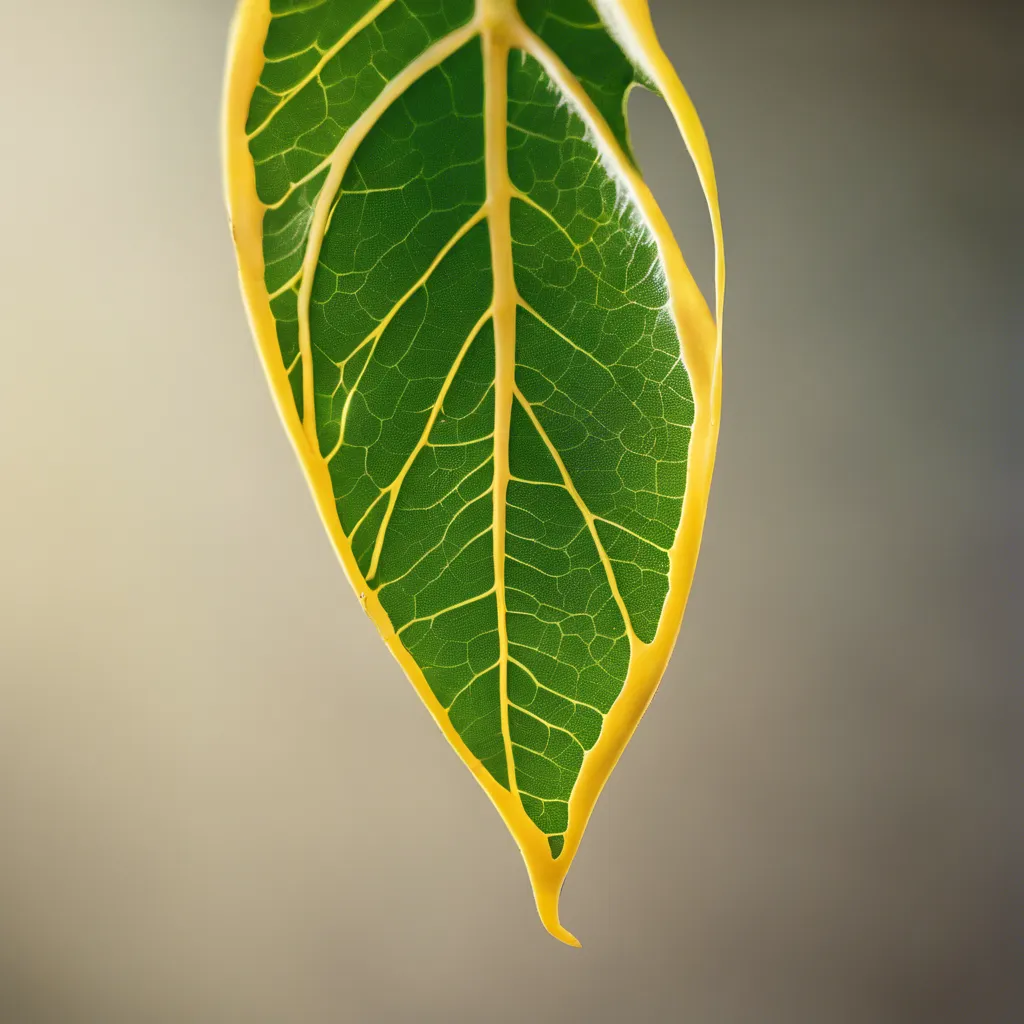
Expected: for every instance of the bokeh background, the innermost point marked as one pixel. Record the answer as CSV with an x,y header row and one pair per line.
x,y
220,801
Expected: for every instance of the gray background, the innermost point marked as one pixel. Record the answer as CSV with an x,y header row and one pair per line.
x,y
221,803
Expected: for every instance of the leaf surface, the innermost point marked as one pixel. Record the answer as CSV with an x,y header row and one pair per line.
x,y
498,373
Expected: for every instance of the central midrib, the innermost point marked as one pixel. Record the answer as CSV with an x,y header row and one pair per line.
x,y
499,203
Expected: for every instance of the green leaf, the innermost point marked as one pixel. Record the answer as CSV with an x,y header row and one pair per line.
x,y
499,375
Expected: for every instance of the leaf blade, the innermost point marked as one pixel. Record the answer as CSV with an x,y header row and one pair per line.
x,y
560,735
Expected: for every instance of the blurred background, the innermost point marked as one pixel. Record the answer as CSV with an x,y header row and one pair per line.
x,y
820,820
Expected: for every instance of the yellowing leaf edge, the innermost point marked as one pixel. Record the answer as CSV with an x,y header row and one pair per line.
x,y
701,336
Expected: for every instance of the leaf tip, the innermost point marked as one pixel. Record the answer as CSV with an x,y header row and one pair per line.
x,y
562,934
547,908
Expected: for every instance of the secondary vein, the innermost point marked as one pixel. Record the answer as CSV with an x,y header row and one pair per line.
x,y
585,511
348,36
340,160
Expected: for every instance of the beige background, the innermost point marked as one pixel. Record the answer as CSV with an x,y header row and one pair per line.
x,y
220,802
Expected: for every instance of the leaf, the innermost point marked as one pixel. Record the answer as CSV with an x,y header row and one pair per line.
x,y
495,367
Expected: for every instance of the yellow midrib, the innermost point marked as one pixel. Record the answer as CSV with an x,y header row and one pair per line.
x,y
499,207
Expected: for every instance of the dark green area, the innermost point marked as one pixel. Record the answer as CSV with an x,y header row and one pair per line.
x,y
403,354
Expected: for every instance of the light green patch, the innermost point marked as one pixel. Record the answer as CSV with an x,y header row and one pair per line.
x,y
575,33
